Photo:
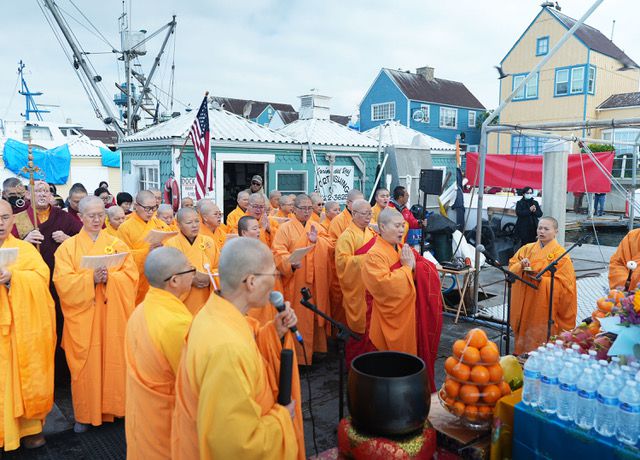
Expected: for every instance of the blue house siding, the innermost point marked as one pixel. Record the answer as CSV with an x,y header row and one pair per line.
x,y
383,90
472,134
264,117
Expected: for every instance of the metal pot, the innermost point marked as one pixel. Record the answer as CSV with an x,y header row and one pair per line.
x,y
387,393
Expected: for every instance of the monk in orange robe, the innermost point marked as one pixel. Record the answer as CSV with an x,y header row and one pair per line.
x,y
274,201
628,250
300,233
529,307
406,300
338,225
285,210
27,341
227,381
166,215
351,248
201,251
211,222
323,258
154,339
382,197
96,304
240,210
318,207
268,225
115,218
134,231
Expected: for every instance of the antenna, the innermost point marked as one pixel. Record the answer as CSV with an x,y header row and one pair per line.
x,y
30,103
613,26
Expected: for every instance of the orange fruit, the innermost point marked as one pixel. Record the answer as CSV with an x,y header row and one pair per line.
x,y
471,355
449,364
476,338
505,389
491,394
461,372
458,347
449,402
469,394
458,408
485,412
471,412
616,295
489,354
442,393
495,373
451,387
480,375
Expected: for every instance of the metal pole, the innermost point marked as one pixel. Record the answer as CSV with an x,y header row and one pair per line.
x,y
634,184
483,134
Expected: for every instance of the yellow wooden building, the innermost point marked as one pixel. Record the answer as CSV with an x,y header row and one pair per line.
x,y
574,84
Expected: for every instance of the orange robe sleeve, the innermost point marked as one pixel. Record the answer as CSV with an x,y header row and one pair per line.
x,y
133,233
393,324
628,249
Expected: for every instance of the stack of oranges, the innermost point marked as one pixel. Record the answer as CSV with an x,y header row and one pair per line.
x,y
474,381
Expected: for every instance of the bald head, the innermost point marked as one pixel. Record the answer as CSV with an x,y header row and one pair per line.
x,y
187,202
331,209
249,226
145,205
5,207
352,196
243,200
185,213
210,213
165,213
162,263
551,220
256,205
6,220
90,202
145,195
391,225
240,258
361,210
203,202
116,216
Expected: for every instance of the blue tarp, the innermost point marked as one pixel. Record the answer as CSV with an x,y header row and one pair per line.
x,y
110,159
54,163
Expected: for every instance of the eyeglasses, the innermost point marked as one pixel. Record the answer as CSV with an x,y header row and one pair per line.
x,y
276,274
256,183
366,214
148,209
305,208
193,270
99,216
255,206
319,204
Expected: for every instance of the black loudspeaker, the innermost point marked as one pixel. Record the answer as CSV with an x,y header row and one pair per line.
x,y
431,181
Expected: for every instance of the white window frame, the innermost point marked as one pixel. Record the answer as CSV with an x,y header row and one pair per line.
x,y
591,80
471,124
378,111
287,172
136,165
426,109
442,117
579,86
567,81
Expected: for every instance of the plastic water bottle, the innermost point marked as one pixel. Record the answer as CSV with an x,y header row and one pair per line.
x,y
549,383
601,369
568,391
615,362
559,345
593,355
607,406
628,422
627,372
587,399
531,383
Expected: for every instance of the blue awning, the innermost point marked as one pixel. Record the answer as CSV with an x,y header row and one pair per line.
x,y
54,164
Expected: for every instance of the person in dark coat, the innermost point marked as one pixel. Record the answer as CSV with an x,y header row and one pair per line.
x,y
528,211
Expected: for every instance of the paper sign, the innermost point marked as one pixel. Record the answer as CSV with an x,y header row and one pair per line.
x,y
8,257
297,255
334,185
106,261
157,236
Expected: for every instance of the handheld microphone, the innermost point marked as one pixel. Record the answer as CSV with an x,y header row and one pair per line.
x,y
631,266
277,300
490,260
286,369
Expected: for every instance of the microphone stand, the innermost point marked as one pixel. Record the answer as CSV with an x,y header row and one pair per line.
x,y
552,268
509,279
343,335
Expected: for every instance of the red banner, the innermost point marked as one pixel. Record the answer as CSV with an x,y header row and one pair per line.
x,y
518,171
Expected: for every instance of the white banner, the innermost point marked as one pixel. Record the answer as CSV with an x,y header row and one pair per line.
x,y
341,185
188,188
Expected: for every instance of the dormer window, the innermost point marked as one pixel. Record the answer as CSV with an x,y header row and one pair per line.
x,y
306,101
542,46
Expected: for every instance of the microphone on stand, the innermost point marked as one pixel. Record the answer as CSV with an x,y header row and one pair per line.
x,y
631,266
284,383
277,300
490,260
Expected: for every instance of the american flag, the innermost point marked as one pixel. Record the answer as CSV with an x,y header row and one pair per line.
x,y
199,133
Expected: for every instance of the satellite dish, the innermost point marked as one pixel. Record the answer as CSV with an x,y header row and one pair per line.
x,y
418,116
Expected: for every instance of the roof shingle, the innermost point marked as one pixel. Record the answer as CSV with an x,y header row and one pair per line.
x,y
618,101
257,107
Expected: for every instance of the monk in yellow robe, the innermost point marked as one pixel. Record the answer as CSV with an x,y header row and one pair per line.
x,y
274,201
285,211
134,231
115,218
166,215
317,202
382,197
300,233
154,340
227,381
529,307
201,251
338,225
211,222
628,250
240,210
256,209
351,248
27,341
96,304
331,210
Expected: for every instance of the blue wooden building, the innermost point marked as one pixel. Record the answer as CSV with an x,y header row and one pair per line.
x,y
434,106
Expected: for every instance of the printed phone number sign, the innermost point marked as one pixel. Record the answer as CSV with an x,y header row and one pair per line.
x,y
341,185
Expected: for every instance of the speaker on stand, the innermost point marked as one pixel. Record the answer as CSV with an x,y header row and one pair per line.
x,y
430,184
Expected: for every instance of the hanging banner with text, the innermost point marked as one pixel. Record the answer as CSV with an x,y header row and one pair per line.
x,y
337,189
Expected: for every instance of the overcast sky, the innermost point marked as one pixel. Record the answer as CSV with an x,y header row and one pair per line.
x,y
279,49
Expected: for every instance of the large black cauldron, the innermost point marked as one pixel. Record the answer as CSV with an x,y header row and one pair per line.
x,y
388,393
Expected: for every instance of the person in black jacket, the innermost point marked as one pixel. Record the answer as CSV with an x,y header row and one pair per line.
x,y
528,211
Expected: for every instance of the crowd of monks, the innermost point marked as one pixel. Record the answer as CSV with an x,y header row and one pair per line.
x,y
179,336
